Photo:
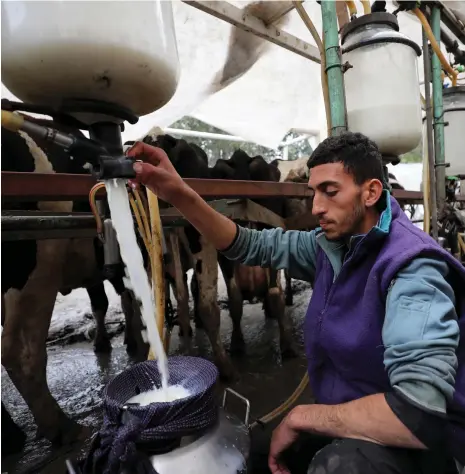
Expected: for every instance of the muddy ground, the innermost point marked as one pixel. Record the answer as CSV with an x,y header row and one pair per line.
x,y
77,376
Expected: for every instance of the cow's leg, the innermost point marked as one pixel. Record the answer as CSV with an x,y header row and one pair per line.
x,y
24,353
195,296
235,303
206,269
289,295
274,304
99,304
136,327
135,345
181,291
13,437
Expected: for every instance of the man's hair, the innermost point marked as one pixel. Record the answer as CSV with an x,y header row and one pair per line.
x,y
359,155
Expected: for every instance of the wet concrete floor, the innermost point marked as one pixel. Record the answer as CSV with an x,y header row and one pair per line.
x,y
76,378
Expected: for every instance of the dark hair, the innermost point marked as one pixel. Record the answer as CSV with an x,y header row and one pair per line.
x,y
359,155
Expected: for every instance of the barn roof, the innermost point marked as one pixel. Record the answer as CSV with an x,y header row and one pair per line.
x,y
281,91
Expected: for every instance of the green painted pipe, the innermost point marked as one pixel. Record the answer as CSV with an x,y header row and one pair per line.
x,y
334,68
439,146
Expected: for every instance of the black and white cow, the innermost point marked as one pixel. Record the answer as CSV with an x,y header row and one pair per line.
x,y
34,271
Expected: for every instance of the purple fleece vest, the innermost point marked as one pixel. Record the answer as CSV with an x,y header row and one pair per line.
x,y
344,319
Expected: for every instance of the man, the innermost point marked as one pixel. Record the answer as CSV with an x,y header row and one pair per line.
x,y
383,326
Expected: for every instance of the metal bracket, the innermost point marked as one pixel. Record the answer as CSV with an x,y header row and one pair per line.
x,y
241,397
346,66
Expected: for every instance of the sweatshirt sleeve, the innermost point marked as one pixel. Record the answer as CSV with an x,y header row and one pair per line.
x,y
293,250
421,335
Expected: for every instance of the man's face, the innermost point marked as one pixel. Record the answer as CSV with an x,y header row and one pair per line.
x,y
338,201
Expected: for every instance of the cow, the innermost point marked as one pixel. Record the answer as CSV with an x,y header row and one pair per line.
x,y
295,171
249,282
34,271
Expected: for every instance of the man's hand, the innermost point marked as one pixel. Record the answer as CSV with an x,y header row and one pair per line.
x,y
157,172
283,437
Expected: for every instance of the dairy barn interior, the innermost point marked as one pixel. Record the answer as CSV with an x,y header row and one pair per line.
x,y
106,288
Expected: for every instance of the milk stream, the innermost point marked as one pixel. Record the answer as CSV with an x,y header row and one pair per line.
x,y
121,217
173,392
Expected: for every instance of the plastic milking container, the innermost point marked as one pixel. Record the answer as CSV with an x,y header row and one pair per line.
x,y
454,131
382,86
121,52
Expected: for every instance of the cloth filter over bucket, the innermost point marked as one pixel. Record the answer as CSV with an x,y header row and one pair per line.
x,y
130,432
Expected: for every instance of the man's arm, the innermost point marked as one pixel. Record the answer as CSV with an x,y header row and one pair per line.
x,y
369,418
293,250
420,335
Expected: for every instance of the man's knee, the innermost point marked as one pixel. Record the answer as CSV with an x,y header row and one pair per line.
x,y
350,456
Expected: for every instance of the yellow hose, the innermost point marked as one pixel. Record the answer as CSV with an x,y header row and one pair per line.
x,y
352,8
366,6
425,179
461,242
98,220
324,79
11,121
284,406
429,33
158,277
151,236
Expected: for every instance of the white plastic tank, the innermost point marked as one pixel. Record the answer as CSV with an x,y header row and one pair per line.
x,y
454,132
382,86
121,52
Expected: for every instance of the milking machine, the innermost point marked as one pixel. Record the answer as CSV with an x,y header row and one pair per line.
x,y
90,76
381,84
191,435
64,61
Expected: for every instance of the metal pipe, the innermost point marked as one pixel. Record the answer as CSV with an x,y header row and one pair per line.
x,y
224,137
439,150
429,137
334,68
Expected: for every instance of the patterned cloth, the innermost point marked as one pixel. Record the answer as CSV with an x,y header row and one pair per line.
x,y
125,429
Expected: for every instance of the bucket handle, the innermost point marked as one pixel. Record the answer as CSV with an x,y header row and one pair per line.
x,y
241,397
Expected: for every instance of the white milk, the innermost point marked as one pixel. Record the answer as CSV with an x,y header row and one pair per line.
x,y
130,253
156,395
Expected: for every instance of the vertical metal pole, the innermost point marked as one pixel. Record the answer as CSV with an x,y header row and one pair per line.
x,y
334,68
429,138
439,150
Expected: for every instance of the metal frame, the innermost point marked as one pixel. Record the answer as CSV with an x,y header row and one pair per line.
x,y
23,187
247,22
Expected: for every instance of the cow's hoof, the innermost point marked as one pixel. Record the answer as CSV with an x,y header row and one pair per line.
x,y
131,347
67,433
102,346
228,373
181,332
14,442
237,345
288,351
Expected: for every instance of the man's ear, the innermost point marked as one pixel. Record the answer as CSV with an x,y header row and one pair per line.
x,y
372,192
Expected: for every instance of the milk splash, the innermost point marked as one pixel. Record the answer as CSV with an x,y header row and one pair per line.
x,y
121,217
173,392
